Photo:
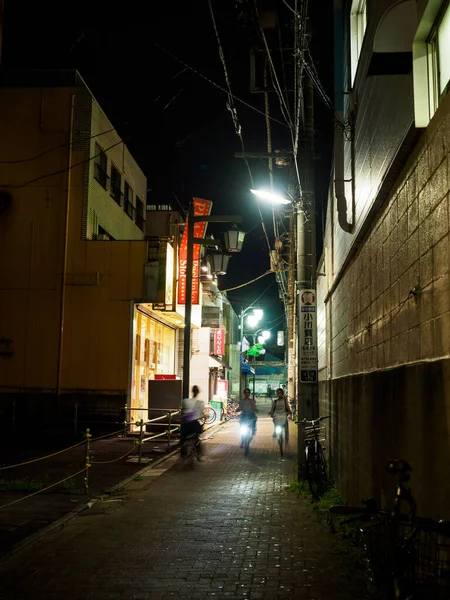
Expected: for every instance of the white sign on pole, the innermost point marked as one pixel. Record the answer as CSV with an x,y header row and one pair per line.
x,y
308,336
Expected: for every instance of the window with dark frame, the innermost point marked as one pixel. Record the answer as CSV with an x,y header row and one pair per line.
x,y
128,206
140,221
101,166
116,184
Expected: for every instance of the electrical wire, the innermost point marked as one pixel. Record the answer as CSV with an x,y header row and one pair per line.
x,y
247,282
232,108
279,91
61,171
210,81
38,156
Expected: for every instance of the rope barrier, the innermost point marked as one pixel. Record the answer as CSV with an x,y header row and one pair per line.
x,y
106,462
43,489
28,462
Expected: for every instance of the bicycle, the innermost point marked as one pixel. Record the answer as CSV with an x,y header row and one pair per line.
x,y
316,466
409,556
232,411
209,415
279,431
189,451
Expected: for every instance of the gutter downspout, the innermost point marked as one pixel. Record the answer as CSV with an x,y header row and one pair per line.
x,y
340,86
64,262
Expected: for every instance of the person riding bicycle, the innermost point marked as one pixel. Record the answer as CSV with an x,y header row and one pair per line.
x,y
279,412
191,412
247,407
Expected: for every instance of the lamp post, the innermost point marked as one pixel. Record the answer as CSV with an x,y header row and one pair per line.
x,y
237,239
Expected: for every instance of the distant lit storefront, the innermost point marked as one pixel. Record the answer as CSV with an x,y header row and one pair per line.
x,y
153,354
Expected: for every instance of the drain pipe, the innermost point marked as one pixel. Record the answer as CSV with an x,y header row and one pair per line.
x,y
342,202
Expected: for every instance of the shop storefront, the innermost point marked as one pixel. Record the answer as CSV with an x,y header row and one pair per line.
x,y
153,354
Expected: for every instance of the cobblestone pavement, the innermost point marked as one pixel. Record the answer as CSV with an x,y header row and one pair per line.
x,y
225,529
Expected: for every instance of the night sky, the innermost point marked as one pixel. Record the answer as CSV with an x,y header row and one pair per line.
x,y
175,123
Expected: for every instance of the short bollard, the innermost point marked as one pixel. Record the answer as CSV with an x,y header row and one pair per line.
x,y
87,463
170,428
141,437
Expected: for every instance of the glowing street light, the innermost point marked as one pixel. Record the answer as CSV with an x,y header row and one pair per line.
x,y
270,197
252,320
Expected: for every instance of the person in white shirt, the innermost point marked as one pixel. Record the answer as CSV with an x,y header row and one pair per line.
x,y
279,412
191,412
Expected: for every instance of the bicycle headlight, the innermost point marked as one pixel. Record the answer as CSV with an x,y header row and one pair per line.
x,y
244,429
278,430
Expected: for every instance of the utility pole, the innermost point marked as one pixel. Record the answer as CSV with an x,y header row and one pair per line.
x,y
290,342
306,278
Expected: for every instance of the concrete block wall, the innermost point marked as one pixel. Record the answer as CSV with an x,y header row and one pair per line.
x,y
386,382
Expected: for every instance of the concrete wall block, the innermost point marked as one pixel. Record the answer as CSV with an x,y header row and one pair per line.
x,y
440,297
439,146
441,257
402,229
439,221
422,171
402,201
411,184
442,338
413,248
435,191
427,339
413,217
414,344
426,268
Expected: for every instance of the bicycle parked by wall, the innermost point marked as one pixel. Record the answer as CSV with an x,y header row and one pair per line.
x,y
409,556
232,411
316,466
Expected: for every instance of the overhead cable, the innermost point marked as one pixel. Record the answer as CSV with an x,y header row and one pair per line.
x,y
210,81
232,108
61,171
45,152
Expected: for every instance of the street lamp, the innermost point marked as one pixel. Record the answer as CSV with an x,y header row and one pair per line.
x,y
236,239
270,197
219,262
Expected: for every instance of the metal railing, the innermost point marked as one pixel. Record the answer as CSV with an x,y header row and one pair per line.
x,y
88,440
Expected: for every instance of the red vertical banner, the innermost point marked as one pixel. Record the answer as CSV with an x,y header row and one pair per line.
x,y
219,342
201,208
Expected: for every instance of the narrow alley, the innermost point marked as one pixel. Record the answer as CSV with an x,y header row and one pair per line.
x,y
226,529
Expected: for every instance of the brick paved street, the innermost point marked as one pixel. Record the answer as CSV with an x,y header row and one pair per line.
x,y
226,529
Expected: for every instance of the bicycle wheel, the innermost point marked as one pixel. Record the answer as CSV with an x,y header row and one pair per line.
x,y
316,471
246,445
280,443
209,416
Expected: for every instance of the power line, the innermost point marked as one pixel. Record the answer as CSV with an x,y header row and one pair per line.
x,y
45,152
210,81
247,282
61,171
232,108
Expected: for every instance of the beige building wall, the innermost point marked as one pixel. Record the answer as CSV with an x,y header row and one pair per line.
x,y
66,303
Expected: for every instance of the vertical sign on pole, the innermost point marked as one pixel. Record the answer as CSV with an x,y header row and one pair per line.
x,y
308,336
219,342
201,207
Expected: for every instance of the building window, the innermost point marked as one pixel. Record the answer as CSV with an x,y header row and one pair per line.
x,y
116,184
140,222
128,204
358,24
101,166
431,61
